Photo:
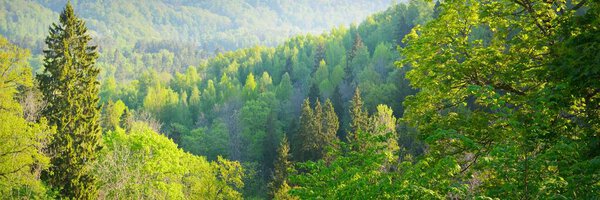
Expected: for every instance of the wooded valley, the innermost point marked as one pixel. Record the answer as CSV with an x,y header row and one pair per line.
x,y
178,99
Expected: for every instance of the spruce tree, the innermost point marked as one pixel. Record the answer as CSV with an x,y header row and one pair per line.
x,y
330,127
70,88
316,133
318,57
281,165
318,129
313,94
356,45
305,130
359,119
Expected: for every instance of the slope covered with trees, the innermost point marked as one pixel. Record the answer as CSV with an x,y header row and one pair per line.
x,y
213,24
170,35
426,100
240,104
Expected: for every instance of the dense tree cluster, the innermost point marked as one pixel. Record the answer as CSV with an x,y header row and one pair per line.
x,y
449,99
504,110
52,142
241,104
209,24
170,35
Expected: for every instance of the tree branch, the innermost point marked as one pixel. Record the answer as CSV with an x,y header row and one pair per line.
x,y
14,171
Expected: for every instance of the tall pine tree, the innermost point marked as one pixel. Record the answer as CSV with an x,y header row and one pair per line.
x,y
70,88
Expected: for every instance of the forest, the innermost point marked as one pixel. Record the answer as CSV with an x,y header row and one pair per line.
x,y
272,99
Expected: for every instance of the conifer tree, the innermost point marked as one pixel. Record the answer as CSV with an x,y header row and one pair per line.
x,y
318,129
359,118
319,56
281,165
330,127
305,130
70,88
313,94
340,111
126,119
356,45
316,139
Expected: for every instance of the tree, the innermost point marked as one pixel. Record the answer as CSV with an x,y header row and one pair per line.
x,y
265,82
340,110
305,130
317,131
316,138
313,94
111,117
108,90
491,107
21,150
330,126
254,118
319,56
351,175
383,124
249,87
142,164
284,90
357,45
209,98
282,164
359,120
322,72
70,87
195,103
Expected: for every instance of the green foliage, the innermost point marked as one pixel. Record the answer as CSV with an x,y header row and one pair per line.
x,y
210,142
317,132
217,107
249,87
221,106
351,175
491,104
224,25
22,154
254,116
278,186
284,90
383,123
360,120
70,89
112,115
144,164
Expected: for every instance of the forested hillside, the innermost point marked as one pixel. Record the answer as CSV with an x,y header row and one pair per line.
x,y
170,35
426,100
209,25
240,104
